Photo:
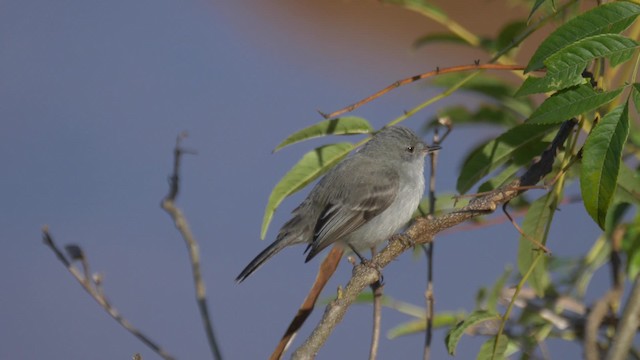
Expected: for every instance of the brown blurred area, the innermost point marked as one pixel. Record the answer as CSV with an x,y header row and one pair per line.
x,y
368,36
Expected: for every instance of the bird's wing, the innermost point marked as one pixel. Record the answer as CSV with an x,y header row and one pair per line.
x,y
371,192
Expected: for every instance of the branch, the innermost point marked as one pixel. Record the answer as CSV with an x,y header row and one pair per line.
x,y
93,286
168,204
412,79
377,290
422,231
628,325
327,268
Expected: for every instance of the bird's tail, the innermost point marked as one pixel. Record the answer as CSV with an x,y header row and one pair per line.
x,y
265,255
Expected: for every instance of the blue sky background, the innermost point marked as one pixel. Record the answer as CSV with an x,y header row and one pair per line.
x,y
92,96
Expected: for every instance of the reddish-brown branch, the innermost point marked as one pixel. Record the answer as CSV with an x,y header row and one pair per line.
x,y
412,79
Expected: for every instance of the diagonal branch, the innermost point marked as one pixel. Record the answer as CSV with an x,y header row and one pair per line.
x,y
422,231
93,288
412,79
168,204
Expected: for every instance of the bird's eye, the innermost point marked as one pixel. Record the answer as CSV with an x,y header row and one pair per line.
x,y
410,149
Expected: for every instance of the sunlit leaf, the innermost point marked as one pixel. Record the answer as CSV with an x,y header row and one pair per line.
x,y
610,18
601,160
496,152
536,226
391,303
313,164
565,67
475,318
569,103
440,320
423,6
347,125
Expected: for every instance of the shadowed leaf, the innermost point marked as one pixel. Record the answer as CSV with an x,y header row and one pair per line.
x,y
536,226
601,160
496,152
570,103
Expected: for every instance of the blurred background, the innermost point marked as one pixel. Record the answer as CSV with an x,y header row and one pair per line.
x,y
92,97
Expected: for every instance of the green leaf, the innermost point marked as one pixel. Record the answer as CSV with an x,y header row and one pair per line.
x,y
490,86
487,349
347,125
420,6
569,103
496,152
475,318
631,246
628,184
534,8
534,85
565,67
440,320
536,226
636,96
496,290
485,114
397,305
601,160
609,18
507,174
313,164
439,38
508,33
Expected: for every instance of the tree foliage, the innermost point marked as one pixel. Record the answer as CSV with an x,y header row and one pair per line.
x,y
585,69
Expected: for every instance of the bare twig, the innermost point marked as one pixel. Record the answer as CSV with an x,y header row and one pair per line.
x,y
168,204
429,248
422,231
411,79
92,288
377,289
628,325
595,318
327,268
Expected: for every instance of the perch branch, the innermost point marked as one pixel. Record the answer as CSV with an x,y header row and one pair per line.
x,y
422,231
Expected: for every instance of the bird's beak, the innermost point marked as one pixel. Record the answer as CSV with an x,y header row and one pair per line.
x,y
432,148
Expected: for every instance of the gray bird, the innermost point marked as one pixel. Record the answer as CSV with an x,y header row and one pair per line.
x,y
359,203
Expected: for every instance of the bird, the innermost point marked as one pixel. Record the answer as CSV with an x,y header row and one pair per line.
x,y
360,202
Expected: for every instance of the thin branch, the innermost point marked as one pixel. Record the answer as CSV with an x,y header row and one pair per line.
x,y
422,231
94,290
429,248
412,79
168,204
594,320
628,325
327,268
377,289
